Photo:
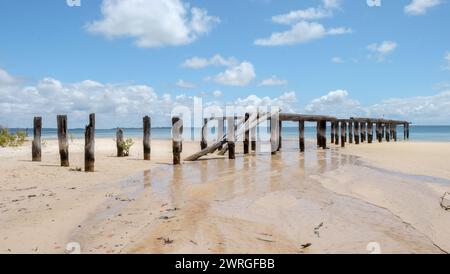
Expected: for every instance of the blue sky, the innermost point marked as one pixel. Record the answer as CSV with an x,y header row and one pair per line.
x,y
328,57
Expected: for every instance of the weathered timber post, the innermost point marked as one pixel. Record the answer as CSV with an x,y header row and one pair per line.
x,y
319,144
280,138
357,133
333,125
147,135
36,145
119,143
62,140
346,130
336,132
247,133
404,131
350,132
370,132
220,130
204,142
301,129
387,132
343,133
274,132
394,130
231,137
380,132
177,139
363,131
323,134
253,133
407,131
89,145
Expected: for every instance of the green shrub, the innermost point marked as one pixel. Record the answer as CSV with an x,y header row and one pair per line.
x,y
11,140
126,146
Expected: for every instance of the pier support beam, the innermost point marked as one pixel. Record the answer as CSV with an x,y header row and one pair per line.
x,y
336,132
204,142
89,145
350,132
36,145
247,133
177,139
387,131
357,133
231,138
253,132
119,142
318,134
379,132
147,123
407,131
343,133
333,125
62,140
301,129
280,137
220,130
274,132
323,134
363,131
370,132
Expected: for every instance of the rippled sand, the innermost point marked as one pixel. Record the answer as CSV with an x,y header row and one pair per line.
x,y
335,201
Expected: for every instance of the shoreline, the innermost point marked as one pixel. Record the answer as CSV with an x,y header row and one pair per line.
x,y
254,204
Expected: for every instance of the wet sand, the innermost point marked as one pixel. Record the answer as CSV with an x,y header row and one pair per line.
x,y
333,201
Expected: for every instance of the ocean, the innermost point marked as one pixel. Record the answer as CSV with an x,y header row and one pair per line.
x,y
417,133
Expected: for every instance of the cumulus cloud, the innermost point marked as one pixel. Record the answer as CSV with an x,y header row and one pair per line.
x,y
420,7
286,102
6,78
302,30
217,93
185,85
273,81
380,51
300,33
153,23
216,60
336,103
239,75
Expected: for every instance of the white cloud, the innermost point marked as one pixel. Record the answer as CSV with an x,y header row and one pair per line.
x,y
336,103
337,60
216,60
217,93
447,60
332,4
185,85
239,75
286,102
299,15
273,81
300,33
6,78
153,23
420,7
382,50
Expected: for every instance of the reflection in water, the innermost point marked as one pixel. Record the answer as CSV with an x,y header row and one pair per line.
x,y
209,181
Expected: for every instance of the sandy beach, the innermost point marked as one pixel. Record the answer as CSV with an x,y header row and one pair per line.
x,y
334,201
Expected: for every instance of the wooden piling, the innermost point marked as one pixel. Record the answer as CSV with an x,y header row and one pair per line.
x,y
333,125
177,140
301,129
379,132
253,134
36,145
363,131
119,143
220,130
343,133
204,142
319,144
62,140
323,134
357,133
387,131
370,132
407,131
274,132
89,145
350,132
147,135
336,132
394,131
280,137
247,133
231,138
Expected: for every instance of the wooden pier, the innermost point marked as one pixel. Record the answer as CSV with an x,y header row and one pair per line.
x,y
355,130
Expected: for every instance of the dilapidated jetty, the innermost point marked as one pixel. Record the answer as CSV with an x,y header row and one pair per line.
x,y
242,128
